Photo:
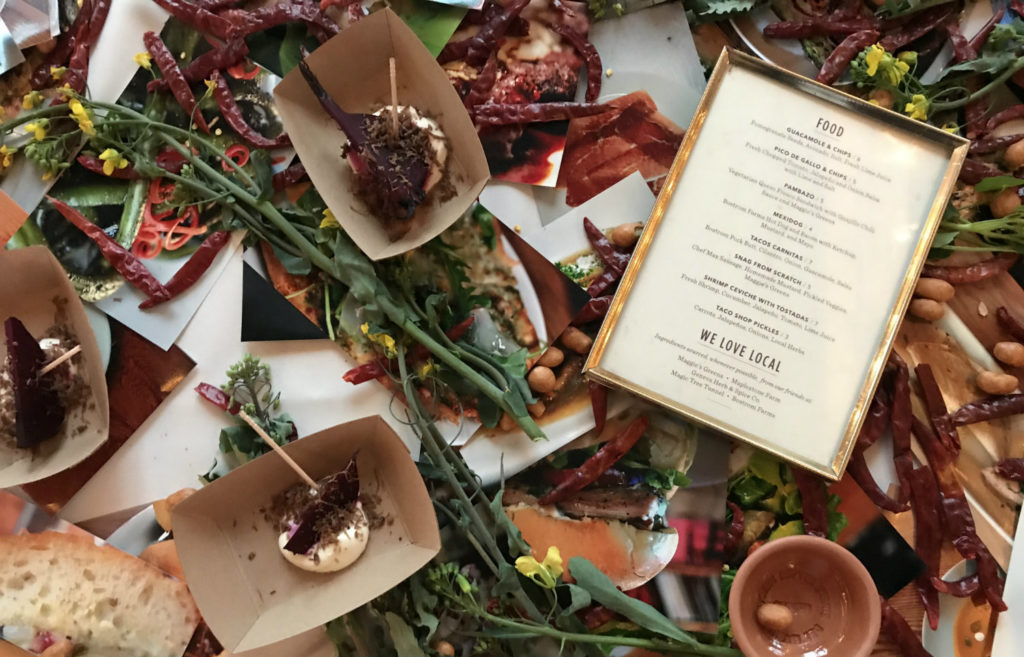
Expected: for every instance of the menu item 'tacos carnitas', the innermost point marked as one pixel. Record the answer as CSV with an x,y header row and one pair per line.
x,y
326,530
32,407
398,156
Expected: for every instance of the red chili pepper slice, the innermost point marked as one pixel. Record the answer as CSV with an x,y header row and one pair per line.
x,y
192,270
243,70
218,398
599,404
160,191
239,153
180,89
120,258
233,115
607,456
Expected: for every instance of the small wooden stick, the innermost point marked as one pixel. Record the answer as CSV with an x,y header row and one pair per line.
x,y
56,362
394,96
277,448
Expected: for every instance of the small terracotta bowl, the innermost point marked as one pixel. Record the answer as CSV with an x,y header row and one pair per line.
x,y
833,601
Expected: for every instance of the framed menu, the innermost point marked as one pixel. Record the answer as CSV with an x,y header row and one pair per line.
x,y
768,286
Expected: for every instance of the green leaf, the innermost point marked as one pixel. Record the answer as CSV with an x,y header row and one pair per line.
x,y
289,54
516,545
508,580
403,637
998,184
604,592
432,22
987,64
837,520
259,162
944,238
578,596
489,412
486,222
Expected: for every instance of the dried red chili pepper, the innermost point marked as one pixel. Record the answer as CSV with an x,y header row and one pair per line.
x,y
192,270
178,85
964,587
120,258
844,53
987,145
595,309
963,51
95,164
612,258
876,421
1008,114
857,468
599,404
98,18
924,496
922,23
907,640
902,416
485,41
975,111
218,398
66,44
588,53
290,176
736,528
365,372
483,84
1010,324
203,66
264,18
817,27
937,410
979,39
974,171
233,116
971,273
958,518
198,18
1012,469
514,114
170,160
814,501
605,457
984,410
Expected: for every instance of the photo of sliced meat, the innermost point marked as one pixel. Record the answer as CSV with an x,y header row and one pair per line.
x,y
603,149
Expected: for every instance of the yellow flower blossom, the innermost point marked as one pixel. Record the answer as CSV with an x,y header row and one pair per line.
x,y
382,339
47,176
112,160
144,59
427,369
57,72
951,127
917,108
329,221
873,58
908,57
896,72
37,129
545,573
8,156
210,85
82,116
31,100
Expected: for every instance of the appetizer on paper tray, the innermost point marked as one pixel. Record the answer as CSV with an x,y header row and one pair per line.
x,y
414,161
53,395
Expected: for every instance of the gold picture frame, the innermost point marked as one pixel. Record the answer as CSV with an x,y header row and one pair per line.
x,y
932,142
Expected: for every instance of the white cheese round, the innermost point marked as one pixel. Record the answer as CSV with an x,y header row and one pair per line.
x,y
338,555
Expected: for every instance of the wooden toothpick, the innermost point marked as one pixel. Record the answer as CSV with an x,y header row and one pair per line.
x,y
56,362
394,96
277,448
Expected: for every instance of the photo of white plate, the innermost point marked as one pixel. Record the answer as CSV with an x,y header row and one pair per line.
x,y
957,623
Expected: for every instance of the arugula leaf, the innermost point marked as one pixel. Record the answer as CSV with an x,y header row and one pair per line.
x,y
262,167
997,183
486,222
423,603
402,636
604,592
665,479
837,520
292,264
748,489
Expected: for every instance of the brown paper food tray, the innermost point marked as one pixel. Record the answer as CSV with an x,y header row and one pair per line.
x,y
248,594
353,68
32,279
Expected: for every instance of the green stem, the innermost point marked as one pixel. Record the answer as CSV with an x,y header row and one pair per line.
x,y
530,631
996,82
32,115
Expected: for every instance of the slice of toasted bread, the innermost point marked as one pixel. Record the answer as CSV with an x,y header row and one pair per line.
x,y
105,600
